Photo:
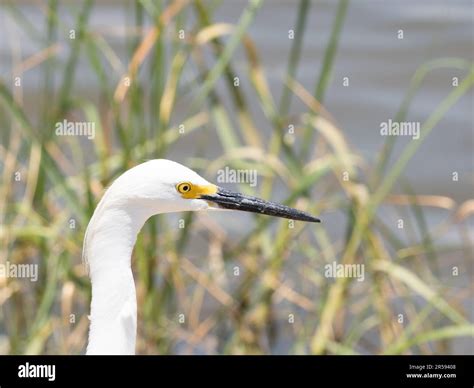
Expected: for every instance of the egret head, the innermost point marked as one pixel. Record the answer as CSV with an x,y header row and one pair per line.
x,y
164,186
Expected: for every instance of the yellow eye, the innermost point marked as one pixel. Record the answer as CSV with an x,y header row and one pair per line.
x,y
184,187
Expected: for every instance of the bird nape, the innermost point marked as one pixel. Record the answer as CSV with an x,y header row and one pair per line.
x,y
154,187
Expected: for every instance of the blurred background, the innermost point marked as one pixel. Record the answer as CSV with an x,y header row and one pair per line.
x,y
294,90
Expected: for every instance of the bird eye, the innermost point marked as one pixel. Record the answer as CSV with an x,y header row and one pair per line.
x,y
184,187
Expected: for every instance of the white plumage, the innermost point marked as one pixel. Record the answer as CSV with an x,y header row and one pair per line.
x,y
154,187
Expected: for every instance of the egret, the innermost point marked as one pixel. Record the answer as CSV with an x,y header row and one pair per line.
x,y
154,187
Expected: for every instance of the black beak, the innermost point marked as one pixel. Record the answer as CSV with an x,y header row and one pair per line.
x,y
229,200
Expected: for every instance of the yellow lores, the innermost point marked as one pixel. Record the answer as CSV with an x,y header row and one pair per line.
x,y
189,190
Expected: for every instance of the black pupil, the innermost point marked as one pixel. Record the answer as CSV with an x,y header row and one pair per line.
x,y
185,188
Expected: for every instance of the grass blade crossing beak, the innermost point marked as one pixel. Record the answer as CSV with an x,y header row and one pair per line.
x,y
226,199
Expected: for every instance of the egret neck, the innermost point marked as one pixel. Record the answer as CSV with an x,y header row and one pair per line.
x,y
113,307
